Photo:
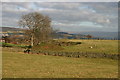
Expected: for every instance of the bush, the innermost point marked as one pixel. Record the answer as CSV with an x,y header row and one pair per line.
x,y
47,47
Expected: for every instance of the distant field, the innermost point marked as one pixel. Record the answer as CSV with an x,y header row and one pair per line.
x,y
19,65
98,46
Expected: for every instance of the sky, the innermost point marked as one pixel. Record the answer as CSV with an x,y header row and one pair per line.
x,y
66,16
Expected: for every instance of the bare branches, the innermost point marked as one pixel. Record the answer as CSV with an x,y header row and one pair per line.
x,y
38,25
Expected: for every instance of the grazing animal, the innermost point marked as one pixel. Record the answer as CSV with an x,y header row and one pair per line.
x,y
91,47
27,51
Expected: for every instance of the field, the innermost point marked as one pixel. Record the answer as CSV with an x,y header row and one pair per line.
x,y
98,46
79,48
86,46
16,64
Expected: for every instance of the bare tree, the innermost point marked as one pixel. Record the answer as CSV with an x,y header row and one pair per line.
x,y
38,27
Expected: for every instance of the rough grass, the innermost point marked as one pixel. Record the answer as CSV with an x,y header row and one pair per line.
x,y
98,46
19,65
47,47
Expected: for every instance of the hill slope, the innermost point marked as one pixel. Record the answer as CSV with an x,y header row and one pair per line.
x,y
106,35
5,29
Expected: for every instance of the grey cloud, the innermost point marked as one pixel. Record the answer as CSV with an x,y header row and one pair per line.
x,y
11,22
104,14
104,7
64,5
81,28
102,10
78,16
61,1
15,6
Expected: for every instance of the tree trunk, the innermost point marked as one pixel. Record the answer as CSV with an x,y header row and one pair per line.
x,y
32,41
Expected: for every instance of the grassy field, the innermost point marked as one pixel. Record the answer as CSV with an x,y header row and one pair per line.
x,y
19,65
98,46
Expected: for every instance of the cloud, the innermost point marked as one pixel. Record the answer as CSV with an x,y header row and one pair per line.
x,y
67,15
81,11
60,1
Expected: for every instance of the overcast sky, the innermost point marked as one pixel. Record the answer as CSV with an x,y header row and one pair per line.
x,y
66,16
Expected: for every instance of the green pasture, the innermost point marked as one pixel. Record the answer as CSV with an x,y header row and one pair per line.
x,y
86,46
16,64
98,46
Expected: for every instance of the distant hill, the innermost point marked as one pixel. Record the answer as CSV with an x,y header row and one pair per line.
x,y
106,35
67,35
100,35
5,29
